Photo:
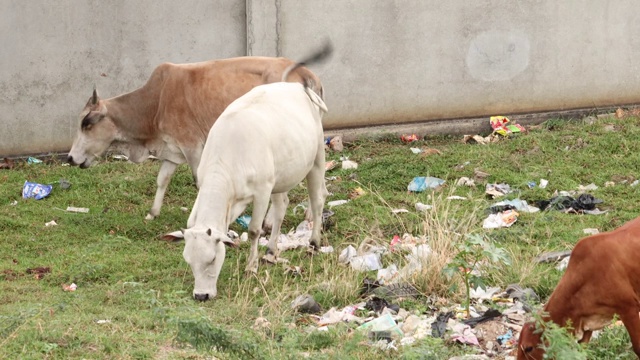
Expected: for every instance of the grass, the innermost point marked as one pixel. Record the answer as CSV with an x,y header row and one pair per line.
x,y
142,286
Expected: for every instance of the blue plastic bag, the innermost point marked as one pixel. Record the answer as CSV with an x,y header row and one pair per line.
x,y
244,221
35,190
421,183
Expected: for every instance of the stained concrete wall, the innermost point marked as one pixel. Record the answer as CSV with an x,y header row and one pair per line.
x,y
399,61
395,61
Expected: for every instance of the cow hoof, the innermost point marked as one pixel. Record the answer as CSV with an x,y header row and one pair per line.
x,y
201,297
149,217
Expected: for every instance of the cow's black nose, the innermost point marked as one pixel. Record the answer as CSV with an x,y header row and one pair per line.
x,y
70,159
201,297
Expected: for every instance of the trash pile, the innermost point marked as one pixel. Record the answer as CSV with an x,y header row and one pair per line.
x,y
497,317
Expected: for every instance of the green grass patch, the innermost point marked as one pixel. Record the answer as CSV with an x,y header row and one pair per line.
x,y
134,291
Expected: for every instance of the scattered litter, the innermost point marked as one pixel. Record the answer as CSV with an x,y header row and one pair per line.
x,y
585,203
516,292
103,322
589,187
51,223
366,262
232,234
184,209
591,231
337,203
35,190
347,254
465,181
497,190
334,316
6,164
409,138
335,143
479,174
305,304
562,265
553,256
456,197
477,139
398,211
501,125
14,203
531,184
609,184
32,160
502,219
71,287
348,165
635,183
244,221
483,294
423,207
64,184
416,150
383,324
505,337
488,315
543,183
244,237
356,193
330,165
516,204
460,167
326,249
419,184
463,334
439,326
77,209
387,274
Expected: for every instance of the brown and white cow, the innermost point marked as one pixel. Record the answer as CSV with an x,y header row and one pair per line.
x,y
170,116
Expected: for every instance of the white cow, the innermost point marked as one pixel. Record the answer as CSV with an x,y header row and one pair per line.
x,y
265,143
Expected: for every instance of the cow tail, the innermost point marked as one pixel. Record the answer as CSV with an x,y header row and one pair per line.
x,y
318,57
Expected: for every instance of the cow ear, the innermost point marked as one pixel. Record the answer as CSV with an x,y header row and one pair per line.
x,y
173,236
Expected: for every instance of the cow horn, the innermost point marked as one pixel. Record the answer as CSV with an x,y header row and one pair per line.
x,y
94,98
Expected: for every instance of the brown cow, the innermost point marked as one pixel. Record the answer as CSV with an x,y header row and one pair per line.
x,y
602,279
170,116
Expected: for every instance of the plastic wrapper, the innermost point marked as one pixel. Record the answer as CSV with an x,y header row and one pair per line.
x,y
35,190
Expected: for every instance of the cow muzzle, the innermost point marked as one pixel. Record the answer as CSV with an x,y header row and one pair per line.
x,y
201,297
83,165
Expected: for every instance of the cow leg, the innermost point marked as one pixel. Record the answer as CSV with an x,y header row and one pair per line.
x,y
164,177
279,203
317,195
586,337
260,205
631,321
193,159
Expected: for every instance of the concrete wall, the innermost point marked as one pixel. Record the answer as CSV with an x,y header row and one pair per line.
x,y
395,61
53,52
399,61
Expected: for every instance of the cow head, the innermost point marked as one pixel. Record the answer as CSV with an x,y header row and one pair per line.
x,y
204,251
97,132
529,343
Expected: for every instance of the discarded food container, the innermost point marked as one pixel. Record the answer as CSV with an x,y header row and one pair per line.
x,y
421,183
35,190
